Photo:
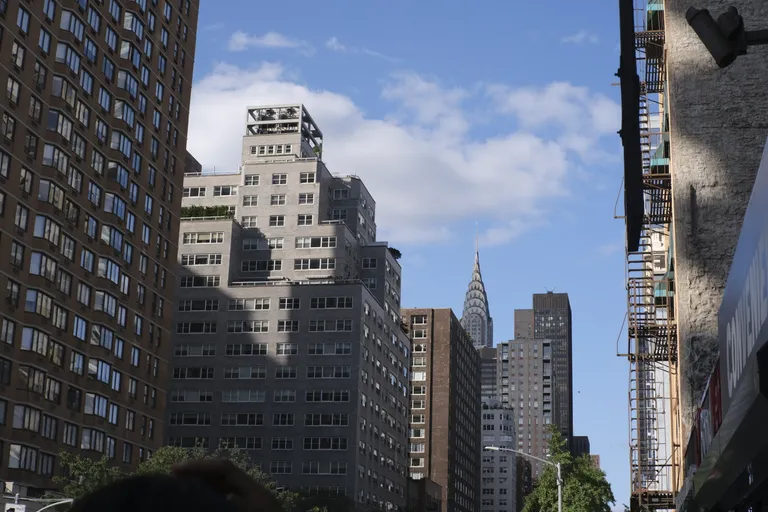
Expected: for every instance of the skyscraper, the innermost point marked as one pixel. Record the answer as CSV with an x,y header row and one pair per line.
x,y
523,366
476,317
499,481
489,382
89,202
445,407
288,338
552,322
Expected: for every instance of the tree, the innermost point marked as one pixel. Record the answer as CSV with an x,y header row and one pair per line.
x,y
585,488
86,475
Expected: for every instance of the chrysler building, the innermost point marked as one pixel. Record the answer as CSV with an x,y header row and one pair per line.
x,y
476,317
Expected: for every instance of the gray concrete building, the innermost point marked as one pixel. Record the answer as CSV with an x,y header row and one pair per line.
x,y
716,137
499,478
288,339
489,374
499,426
524,324
476,316
525,375
445,407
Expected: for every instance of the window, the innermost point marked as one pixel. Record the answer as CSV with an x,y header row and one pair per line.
x,y
287,349
203,238
287,326
314,264
246,349
331,303
194,192
12,91
305,220
290,303
224,191
249,304
249,221
307,177
279,179
7,127
22,457
330,325
17,54
340,194
261,266
22,20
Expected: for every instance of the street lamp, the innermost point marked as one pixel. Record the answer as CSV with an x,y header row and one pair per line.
x,y
545,461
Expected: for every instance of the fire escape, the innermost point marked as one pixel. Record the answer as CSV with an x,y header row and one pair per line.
x,y
652,332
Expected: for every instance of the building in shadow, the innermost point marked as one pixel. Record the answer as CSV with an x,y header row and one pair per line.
x,y
580,446
424,495
288,336
445,407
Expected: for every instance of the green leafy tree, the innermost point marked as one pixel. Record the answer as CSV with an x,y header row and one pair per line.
x,y
87,474
84,475
585,488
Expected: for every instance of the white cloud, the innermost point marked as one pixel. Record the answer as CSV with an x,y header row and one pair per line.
x,y
422,166
582,117
335,45
581,37
213,27
241,41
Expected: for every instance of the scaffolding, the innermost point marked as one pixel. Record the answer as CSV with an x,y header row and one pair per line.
x,y
652,331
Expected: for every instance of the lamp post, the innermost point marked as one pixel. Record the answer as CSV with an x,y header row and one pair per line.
x,y
545,461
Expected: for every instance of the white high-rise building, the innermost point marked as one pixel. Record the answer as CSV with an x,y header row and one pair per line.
x,y
288,336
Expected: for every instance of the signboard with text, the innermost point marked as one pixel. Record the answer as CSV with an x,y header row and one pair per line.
x,y
742,324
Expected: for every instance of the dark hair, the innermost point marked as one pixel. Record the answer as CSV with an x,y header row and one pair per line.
x,y
154,493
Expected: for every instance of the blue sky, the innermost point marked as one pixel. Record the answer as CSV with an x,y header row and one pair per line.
x,y
493,114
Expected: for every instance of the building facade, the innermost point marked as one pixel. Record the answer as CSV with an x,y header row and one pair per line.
x,y
288,339
94,135
523,364
692,151
489,374
476,317
580,446
724,464
552,323
445,407
424,495
499,480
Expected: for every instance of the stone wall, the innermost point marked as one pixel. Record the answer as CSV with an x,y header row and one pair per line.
x,y
719,124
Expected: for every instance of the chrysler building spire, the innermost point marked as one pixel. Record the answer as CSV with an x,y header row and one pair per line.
x,y
476,317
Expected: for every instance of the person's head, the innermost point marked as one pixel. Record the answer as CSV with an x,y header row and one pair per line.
x,y
155,493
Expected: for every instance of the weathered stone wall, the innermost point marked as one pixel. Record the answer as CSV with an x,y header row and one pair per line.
x,y
719,124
